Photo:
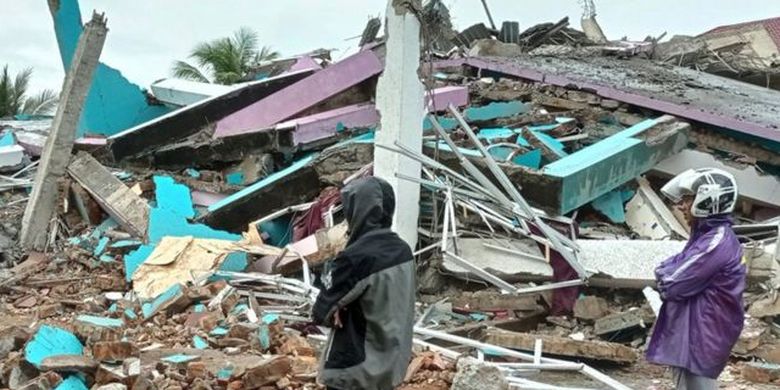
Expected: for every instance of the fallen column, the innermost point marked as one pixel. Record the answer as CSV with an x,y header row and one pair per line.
x,y
56,153
119,201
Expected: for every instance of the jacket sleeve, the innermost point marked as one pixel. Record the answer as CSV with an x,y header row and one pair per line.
x,y
694,270
343,285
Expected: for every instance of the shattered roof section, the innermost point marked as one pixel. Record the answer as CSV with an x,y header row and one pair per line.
x,y
772,26
683,92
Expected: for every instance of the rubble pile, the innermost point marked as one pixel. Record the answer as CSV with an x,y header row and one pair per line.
x,y
184,251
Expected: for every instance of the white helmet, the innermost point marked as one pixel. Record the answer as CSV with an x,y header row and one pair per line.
x,y
715,190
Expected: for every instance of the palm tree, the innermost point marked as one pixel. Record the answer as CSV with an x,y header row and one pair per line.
x,y
14,99
225,60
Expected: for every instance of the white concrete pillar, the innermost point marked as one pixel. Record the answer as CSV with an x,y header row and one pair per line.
x,y
399,99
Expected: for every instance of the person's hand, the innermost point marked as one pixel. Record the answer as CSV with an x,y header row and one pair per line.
x,y
337,320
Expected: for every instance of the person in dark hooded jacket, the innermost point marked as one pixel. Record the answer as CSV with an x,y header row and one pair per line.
x,y
369,295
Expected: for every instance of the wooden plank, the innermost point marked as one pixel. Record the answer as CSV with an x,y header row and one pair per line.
x,y
553,345
120,202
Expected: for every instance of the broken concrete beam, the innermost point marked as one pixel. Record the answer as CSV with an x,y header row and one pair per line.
x,y
198,151
316,249
648,215
292,185
302,95
119,201
592,350
113,103
495,301
11,157
69,364
758,372
444,96
591,308
267,372
51,341
597,169
329,124
180,93
59,145
113,351
621,321
190,120
763,189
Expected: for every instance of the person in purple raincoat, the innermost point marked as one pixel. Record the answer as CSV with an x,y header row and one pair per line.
x,y
701,287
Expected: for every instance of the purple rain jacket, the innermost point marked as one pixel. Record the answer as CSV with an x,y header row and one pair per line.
x,y
702,313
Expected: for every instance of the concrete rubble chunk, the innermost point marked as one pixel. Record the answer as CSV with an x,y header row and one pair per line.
x,y
69,363
267,372
12,338
113,351
563,346
475,375
591,308
46,381
757,372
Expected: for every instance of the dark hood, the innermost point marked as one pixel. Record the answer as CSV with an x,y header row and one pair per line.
x,y
369,204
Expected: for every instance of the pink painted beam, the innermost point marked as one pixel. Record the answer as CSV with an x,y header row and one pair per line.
x,y
304,63
444,96
302,95
327,124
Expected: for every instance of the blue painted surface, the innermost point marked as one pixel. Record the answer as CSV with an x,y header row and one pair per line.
x,y
130,314
264,336
495,110
219,331
101,246
107,258
192,172
235,178
8,139
135,258
270,318
125,244
279,231
199,308
179,358
611,205
532,159
51,341
491,134
239,309
169,217
225,372
599,168
101,229
72,382
150,308
173,196
264,182
103,322
113,103
199,342
445,122
553,144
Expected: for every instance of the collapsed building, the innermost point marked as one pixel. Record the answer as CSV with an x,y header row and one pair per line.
x,y
172,237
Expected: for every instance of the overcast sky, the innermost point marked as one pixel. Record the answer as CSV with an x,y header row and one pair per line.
x,y
147,35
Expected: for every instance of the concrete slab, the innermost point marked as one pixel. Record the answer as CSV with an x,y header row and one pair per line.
x,y
302,95
180,93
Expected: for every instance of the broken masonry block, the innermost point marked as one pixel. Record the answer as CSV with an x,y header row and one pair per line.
x,y
267,372
120,202
96,328
113,351
12,339
51,341
45,381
